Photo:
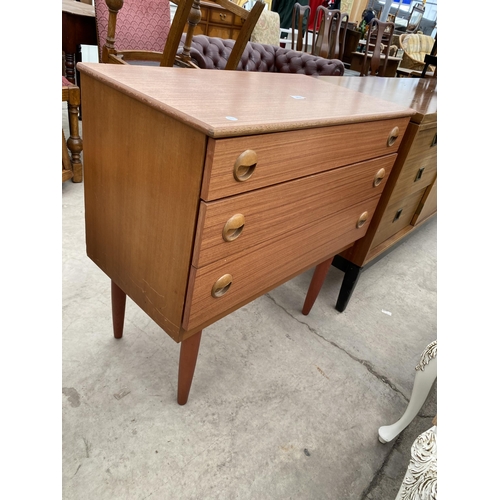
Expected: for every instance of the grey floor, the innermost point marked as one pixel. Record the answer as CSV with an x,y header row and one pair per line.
x,y
282,406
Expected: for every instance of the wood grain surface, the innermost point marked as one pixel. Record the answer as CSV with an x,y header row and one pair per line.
x,y
236,103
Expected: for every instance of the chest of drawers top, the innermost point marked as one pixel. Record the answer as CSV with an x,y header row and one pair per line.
x,y
419,94
236,103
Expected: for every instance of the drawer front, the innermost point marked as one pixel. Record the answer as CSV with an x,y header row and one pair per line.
x,y
397,216
219,31
420,165
428,205
241,164
269,264
238,223
221,16
200,29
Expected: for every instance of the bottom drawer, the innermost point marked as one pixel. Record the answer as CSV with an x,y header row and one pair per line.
x,y
397,216
250,274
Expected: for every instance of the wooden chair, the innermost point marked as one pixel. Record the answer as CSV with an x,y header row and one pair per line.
x,y
300,20
329,33
430,61
132,30
71,166
149,37
250,19
376,50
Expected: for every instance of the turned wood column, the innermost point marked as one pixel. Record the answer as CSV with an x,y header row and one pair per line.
x,y
109,47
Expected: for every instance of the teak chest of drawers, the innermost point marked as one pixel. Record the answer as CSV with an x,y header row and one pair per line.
x,y
410,195
195,209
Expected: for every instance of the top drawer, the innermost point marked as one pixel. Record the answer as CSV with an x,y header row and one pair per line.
x,y
240,164
221,16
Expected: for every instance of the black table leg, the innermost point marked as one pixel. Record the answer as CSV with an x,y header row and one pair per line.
x,y
351,275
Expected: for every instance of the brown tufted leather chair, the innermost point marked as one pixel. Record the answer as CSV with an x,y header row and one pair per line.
x,y
212,53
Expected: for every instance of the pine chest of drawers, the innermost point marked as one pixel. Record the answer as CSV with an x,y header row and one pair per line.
x,y
206,189
410,195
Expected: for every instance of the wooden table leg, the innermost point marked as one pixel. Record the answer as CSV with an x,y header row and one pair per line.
x,y
187,364
316,284
118,298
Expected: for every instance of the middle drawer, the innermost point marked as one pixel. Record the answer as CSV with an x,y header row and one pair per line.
x,y
238,223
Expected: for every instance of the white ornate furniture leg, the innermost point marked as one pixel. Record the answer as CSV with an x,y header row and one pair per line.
x,y
424,378
420,481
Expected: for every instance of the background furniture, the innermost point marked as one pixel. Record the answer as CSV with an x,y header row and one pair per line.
x,y
430,61
78,28
374,58
212,53
267,30
413,23
352,38
328,39
131,29
420,481
223,195
217,22
425,376
285,8
298,29
249,18
410,196
71,166
415,47
157,41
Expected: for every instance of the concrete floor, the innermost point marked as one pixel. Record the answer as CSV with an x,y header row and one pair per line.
x,y
282,406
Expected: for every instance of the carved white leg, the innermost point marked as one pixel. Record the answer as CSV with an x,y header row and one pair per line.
x,y
424,378
420,481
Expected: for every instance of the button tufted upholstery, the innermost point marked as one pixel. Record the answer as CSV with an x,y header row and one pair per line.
x,y
212,53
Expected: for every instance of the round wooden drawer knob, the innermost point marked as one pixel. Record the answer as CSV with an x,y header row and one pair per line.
x,y
233,227
393,136
221,286
244,165
379,177
362,220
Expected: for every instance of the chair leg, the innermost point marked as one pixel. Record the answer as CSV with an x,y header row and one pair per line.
x,y
75,143
118,299
424,378
315,286
187,365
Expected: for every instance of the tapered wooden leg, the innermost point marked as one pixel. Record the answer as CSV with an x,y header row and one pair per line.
x,y
118,298
187,364
316,284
